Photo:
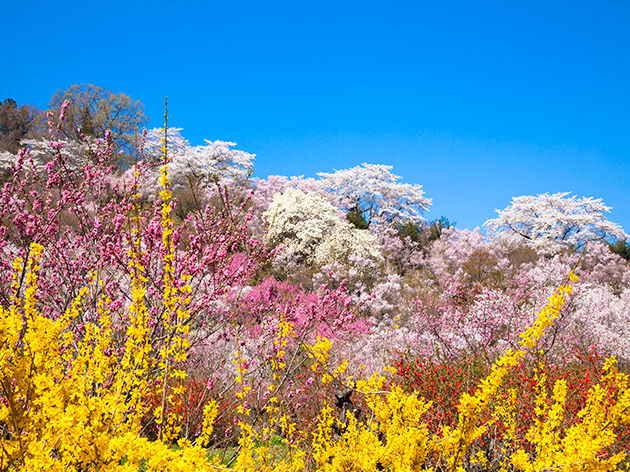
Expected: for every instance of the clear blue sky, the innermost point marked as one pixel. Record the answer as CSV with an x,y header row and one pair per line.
x,y
476,101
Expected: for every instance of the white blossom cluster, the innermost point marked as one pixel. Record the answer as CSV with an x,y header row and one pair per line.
x,y
214,161
6,161
557,219
77,154
266,189
315,232
375,192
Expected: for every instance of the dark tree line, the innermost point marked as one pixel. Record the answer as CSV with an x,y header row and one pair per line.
x,y
16,123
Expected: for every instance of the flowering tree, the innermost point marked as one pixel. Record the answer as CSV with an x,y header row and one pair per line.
x,y
6,161
77,154
374,192
314,232
301,221
556,218
266,189
204,164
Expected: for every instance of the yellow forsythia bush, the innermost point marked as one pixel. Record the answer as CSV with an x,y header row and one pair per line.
x,y
69,405
395,436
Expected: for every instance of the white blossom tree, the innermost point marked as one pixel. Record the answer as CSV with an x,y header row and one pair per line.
x,y
153,144
41,151
315,233
266,189
205,164
77,153
7,160
301,221
374,192
345,244
557,219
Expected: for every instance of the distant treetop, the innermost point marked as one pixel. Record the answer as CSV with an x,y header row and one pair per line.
x,y
556,219
93,110
15,124
372,191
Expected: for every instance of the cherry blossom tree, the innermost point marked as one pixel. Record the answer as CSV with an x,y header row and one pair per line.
x,y
77,154
7,159
557,219
216,160
374,191
198,167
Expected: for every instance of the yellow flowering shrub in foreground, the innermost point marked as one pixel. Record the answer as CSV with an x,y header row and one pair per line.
x,y
67,404
395,437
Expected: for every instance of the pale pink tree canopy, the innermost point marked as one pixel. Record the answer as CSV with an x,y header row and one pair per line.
x,y
374,191
216,160
557,219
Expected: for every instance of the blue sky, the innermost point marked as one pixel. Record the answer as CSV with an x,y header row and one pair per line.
x,y
476,101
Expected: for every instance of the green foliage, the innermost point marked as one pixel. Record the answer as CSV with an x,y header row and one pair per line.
x,y
356,218
411,230
15,124
621,248
425,232
437,226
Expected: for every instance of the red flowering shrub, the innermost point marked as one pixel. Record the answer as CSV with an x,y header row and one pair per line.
x,y
444,383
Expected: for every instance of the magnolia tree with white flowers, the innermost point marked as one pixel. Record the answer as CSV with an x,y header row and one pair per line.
x,y
314,232
266,189
374,191
300,221
553,220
